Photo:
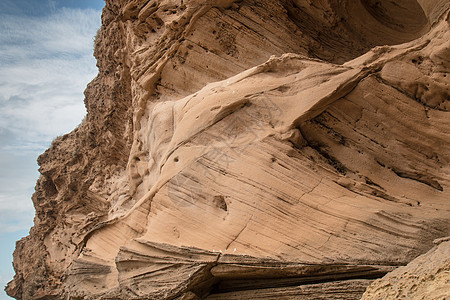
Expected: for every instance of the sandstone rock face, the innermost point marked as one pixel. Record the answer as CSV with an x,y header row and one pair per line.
x,y
426,277
247,149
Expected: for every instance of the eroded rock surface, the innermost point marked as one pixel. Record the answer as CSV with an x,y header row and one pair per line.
x,y
238,149
426,277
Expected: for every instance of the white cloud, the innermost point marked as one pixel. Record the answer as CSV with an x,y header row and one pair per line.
x,y
18,173
14,219
45,65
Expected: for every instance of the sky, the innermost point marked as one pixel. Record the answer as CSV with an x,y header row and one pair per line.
x,y
46,61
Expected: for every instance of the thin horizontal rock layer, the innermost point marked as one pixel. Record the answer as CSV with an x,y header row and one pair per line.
x,y
238,149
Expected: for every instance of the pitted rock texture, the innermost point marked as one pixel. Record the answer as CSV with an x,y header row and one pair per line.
x,y
426,277
239,149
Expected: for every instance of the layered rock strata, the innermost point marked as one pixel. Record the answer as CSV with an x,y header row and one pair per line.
x,y
237,149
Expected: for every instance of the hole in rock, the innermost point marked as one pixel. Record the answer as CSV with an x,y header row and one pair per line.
x,y
220,202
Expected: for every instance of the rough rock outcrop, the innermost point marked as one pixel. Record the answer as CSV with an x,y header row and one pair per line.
x,y
237,149
426,277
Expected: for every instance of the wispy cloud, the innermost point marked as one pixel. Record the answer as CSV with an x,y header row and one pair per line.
x,y
45,64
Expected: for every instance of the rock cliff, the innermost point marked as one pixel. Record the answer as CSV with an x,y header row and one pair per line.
x,y
247,149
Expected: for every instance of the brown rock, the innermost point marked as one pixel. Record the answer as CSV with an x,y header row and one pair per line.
x,y
426,277
238,149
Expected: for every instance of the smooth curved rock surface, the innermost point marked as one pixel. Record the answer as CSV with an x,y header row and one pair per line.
x,y
239,148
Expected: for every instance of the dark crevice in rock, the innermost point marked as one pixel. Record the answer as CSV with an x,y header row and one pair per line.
x,y
422,178
332,161
274,281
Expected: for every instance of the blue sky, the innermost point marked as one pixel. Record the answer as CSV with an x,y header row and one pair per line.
x,y
46,62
